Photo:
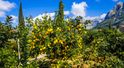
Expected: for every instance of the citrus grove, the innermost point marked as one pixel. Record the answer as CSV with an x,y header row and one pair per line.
x,y
60,43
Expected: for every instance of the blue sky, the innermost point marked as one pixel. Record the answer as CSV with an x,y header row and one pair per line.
x,y
91,8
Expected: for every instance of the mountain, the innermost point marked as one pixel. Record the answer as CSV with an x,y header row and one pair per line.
x,y
114,17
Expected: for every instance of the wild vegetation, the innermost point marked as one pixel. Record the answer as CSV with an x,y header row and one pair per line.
x,y
65,43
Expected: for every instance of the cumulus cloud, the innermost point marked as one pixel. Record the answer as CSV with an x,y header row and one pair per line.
x,y
66,12
5,6
2,14
100,18
50,15
79,9
44,14
14,18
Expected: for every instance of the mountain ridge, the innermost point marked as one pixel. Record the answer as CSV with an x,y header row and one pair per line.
x,y
114,17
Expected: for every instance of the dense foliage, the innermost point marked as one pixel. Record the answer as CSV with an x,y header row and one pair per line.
x,y
59,44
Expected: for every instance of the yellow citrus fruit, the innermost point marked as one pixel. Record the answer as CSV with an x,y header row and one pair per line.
x,y
60,41
55,41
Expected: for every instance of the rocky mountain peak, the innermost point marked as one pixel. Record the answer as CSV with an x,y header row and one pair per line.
x,y
119,6
116,11
114,17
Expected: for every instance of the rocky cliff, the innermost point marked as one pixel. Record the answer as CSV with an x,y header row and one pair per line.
x,y
114,17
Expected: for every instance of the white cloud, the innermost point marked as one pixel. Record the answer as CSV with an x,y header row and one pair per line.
x,y
66,12
79,9
44,14
14,18
5,6
101,17
50,15
2,14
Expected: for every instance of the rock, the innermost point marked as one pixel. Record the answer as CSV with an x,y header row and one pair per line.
x,y
115,17
116,12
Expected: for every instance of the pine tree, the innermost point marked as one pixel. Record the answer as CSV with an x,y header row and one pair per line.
x,y
61,11
60,14
22,37
21,18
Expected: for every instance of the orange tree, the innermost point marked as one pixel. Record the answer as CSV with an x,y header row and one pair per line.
x,y
104,48
57,38
55,41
